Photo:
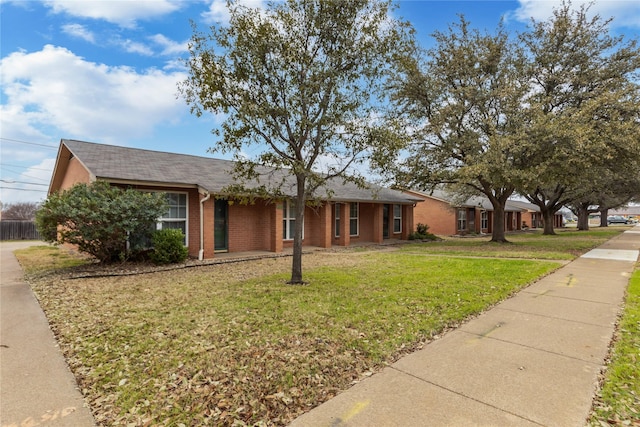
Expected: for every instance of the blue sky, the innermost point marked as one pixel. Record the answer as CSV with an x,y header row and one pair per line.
x,y
107,72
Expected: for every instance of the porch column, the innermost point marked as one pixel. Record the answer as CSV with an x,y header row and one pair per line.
x,y
345,238
326,226
378,235
407,221
208,213
519,223
275,237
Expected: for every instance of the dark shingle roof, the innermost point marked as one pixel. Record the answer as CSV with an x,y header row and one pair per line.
x,y
471,202
123,164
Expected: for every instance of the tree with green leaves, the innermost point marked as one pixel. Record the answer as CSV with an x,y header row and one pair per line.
x,y
100,219
583,127
608,188
301,81
462,105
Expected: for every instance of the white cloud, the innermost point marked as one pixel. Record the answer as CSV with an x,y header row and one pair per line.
x,y
175,64
624,12
123,13
136,47
219,13
169,47
79,31
55,92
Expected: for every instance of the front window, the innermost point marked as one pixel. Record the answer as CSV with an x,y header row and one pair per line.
x,y
354,223
397,218
289,220
484,220
337,222
462,219
176,214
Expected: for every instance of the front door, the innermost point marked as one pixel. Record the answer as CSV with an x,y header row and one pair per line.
x,y
220,228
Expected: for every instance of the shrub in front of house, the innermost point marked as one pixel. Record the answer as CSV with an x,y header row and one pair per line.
x,y
168,247
422,233
99,218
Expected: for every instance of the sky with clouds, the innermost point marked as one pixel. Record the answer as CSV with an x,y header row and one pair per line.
x,y
107,71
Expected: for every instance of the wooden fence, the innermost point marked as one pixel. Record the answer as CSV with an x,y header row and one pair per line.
x,y
18,230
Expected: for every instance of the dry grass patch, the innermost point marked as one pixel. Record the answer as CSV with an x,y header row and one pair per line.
x,y
231,344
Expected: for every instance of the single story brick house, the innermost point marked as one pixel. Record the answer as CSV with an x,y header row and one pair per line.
x,y
447,216
531,216
210,219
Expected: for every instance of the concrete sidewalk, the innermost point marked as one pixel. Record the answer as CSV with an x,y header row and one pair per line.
x,y
533,360
36,385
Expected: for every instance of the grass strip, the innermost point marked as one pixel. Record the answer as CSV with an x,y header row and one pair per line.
x,y
618,401
566,244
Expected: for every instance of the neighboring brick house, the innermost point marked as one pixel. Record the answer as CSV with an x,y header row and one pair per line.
x,y
214,222
531,216
447,217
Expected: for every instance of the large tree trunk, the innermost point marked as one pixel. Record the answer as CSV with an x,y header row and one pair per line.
x,y
583,217
296,265
498,234
547,220
549,203
604,213
498,200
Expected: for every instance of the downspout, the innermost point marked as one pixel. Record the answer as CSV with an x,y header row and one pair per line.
x,y
207,196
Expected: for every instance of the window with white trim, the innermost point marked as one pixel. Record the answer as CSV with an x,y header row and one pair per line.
x,y
484,220
354,222
176,215
397,218
462,219
337,219
289,220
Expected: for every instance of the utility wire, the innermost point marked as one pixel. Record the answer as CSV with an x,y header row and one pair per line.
x,y
17,141
22,189
24,175
22,182
24,167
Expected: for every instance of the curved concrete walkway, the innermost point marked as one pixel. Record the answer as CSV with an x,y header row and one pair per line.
x,y
533,360
36,385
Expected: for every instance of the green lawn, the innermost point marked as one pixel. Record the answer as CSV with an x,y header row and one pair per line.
x,y
618,403
565,245
232,343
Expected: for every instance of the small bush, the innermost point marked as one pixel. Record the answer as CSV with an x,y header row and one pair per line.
x,y
422,233
422,229
168,247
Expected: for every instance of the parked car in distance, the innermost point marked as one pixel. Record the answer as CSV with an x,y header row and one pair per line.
x,y
617,219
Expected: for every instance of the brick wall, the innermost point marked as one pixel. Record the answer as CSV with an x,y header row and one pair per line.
x,y
438,215
250,226
408,226
318,225
75,173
